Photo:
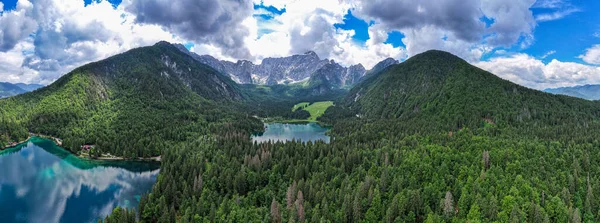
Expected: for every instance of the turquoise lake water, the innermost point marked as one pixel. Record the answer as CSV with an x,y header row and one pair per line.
x,y
41,182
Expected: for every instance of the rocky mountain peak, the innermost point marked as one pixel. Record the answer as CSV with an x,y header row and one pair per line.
x,y
288,70
311,53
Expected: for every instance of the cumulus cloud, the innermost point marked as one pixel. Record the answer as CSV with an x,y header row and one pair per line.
x,y
528,71
452,25
592,55
15,25
217,22
65,35
430,37
461,17
512,20
11,69
306,26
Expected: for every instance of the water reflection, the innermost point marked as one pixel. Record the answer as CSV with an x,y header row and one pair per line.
x,y
40,182
287,132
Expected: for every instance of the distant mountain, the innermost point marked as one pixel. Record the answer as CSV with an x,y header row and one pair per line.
x,y
132,104
589,92
29,87
290,70
8,89
436,88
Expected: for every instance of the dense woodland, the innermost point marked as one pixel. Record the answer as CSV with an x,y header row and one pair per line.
x,y
465,154
430,140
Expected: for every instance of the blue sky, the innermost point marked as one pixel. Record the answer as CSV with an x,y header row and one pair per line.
x,y
569,36
539,44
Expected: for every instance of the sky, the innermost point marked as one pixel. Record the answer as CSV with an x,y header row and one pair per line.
x,y
539,44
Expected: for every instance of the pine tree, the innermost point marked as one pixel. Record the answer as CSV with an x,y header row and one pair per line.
x,y
300,206
275,212
448,205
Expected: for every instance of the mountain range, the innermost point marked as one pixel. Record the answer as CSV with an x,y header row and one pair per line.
x,y
431,139
9,89
307,67
589,92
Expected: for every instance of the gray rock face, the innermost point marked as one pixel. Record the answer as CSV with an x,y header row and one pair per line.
x,y
353,74
289,70
331,75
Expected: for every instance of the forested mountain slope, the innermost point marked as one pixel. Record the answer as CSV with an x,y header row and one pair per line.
x,y
131,104
435,140
437,90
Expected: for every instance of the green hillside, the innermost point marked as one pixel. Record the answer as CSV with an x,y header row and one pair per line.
x,y
132,104
439,91
433,139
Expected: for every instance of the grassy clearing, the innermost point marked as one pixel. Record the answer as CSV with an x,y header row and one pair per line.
x,y
315,109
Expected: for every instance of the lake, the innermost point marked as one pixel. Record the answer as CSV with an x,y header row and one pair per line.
x,y
286,132
41,182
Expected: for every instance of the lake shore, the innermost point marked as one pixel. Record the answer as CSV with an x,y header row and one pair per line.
x,y
83,155
109,157
18,143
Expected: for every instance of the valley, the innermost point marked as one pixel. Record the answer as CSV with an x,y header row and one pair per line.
x,y
431,139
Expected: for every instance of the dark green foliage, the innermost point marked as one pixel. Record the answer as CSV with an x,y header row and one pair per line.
x,y
439,87
299,114
392,165
120,215
133,104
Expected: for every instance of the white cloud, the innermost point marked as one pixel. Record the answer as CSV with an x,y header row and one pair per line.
x,y
11,69
307,26
15,25
555,15
430,37
279,4
67,35
528,71
203,21
549,53
1,7
512,21
549,4
592,55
